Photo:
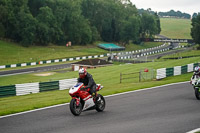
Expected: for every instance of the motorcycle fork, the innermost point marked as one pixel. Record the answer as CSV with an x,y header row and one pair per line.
x,y
77,101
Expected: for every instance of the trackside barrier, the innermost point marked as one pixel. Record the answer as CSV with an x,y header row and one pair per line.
x,y
190,67
7,91
196,64
137,54
67,83
169,72
161,73
29,88
48,86
51,61
184,69
177,70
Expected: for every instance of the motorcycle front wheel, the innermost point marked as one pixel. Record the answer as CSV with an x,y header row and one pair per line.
x,y
75,110
100,103
197,93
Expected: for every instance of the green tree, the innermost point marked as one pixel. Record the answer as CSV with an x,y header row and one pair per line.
x,y
195,30
194,15
76,27
3,19
45,31
11,10
35,5
96,11
149,26
78,21
26,27
157,19
95,34
130,30
107,16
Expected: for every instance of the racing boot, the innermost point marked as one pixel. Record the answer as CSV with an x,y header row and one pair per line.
x,y
94,95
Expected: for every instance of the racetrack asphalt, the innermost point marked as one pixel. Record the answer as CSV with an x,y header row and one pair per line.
x,y
166,109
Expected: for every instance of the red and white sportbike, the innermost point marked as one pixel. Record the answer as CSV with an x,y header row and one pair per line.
x,y
82,100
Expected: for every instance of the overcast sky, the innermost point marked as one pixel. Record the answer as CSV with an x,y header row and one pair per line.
x,y
187,6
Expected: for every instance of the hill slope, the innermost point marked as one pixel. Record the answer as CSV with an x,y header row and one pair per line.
x,y
176,28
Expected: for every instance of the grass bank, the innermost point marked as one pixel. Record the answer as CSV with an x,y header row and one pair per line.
x,y
13,53
176,28
189,53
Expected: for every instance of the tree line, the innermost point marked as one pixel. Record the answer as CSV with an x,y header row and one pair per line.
x,y
195,30
173,13
40,22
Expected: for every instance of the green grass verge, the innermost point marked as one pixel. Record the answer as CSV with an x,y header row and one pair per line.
x,y
17,104
100,74
107,76
12,53
189,53
176,28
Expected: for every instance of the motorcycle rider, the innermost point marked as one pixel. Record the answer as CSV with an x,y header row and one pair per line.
x,y
196,72
88,81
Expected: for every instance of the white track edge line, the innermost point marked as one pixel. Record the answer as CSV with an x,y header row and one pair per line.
x,y
33,110
16,73
104,96
194,131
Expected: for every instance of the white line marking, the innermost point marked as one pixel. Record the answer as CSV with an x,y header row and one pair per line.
x,y
194,131
146,89
16,73
34,110
104,96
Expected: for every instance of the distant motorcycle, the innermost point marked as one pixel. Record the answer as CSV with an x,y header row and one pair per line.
x,y
196,84
82,100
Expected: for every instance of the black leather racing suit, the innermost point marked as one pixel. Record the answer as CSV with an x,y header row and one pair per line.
x,y
88,81
197,74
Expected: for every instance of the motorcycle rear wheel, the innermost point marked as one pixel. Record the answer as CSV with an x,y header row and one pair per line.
x,y
197,93
75,110
100,104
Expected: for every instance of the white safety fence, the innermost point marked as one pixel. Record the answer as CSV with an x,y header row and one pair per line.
x,y
67,83
28,88
161,73
141,54
190,67
177,70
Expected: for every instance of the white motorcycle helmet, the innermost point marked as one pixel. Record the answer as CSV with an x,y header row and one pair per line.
x,y
82,73
197,69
